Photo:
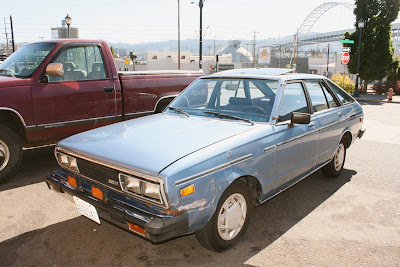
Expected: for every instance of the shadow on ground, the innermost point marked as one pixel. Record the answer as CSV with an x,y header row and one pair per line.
x,y
80,241
35,164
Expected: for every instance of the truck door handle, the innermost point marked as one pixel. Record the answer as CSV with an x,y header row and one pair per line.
x,y
108,89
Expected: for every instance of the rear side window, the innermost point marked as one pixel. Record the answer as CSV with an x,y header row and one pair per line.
x,y
329,97
317,96
294,100
342,95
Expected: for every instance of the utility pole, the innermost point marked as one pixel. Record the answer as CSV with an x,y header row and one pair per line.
x,y
179,37
12,34
327,64
254,48
5,30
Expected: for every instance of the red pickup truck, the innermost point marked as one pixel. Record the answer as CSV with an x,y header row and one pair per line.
x,y
53,89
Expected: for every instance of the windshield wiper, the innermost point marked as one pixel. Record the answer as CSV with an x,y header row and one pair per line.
x,y
219,114
8,71
180,110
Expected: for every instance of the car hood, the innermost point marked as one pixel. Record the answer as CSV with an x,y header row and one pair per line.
x,y
150,144
7,81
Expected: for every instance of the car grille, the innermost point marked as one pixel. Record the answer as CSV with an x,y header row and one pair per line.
x,y
98,172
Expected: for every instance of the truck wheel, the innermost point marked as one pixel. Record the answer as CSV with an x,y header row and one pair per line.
x,y
230,220
10,153
335,167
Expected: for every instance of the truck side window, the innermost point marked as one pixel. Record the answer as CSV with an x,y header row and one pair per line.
x,y
81,63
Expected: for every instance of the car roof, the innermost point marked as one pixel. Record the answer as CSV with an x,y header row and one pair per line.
x,y
265,73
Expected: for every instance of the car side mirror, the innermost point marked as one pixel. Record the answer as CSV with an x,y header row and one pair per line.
x,y
300,118
55,69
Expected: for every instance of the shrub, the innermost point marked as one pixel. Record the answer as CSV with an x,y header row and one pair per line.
x,y
344,81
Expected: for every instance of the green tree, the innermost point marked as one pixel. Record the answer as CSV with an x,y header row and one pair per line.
x,y
112,51
376,49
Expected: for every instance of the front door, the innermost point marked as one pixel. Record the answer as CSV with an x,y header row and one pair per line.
x,y
76,101
297,145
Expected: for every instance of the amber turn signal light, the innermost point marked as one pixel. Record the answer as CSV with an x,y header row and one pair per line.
x,y
136,228
97,193
187,190
72,182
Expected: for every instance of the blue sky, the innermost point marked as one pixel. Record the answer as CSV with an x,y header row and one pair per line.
x,y
134,21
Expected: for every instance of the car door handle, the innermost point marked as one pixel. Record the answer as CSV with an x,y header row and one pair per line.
x,y
311,124
340,113
108,89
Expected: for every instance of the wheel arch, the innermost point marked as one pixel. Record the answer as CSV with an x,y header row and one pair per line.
x,y
347,138
13,120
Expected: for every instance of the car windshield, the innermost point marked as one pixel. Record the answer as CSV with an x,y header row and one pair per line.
x,y
23,62
227,98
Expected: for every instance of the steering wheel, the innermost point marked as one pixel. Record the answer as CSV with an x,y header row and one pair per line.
x,y
256,109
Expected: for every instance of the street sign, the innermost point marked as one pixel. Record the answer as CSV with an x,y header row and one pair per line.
x,y
345,58
346,49
346,41
126,61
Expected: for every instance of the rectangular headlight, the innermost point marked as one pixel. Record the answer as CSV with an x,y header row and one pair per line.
x,y
140,187
67,161
151,190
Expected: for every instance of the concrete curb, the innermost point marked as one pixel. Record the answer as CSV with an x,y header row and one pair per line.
x,y
374,100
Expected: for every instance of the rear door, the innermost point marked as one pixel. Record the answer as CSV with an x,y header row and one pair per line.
x,y
81,99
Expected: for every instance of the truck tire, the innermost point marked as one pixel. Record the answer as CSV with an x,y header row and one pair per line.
x,y
230,220
10,153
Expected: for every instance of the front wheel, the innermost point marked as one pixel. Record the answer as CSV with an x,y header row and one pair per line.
x,y
335,167
230,220
10,153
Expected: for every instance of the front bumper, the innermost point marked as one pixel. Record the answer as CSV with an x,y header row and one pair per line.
x,y
157,228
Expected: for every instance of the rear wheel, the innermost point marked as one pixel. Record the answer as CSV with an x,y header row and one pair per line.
x,y
335,167
10,153
230,220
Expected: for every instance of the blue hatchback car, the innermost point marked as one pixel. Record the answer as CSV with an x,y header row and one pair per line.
x,y
229,142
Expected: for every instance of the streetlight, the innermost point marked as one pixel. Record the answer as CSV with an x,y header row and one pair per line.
x,y
361,24
68,22
201,3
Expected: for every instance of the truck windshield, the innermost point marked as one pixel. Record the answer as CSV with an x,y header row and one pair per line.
x,y
23,62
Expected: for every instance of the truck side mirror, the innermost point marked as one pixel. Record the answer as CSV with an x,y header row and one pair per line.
x,y
55,69
300,118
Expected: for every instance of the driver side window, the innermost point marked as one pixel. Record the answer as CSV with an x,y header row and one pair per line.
x,y
81,63
294,100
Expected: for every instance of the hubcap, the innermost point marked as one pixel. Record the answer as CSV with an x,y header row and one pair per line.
x,y
339,157
232,216
4,155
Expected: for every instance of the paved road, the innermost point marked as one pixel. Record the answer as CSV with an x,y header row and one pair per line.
x,y
349,221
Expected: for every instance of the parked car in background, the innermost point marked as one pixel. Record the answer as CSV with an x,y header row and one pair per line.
x,y
229,142
53,89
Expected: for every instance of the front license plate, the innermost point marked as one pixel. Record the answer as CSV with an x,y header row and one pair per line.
x,y
86,209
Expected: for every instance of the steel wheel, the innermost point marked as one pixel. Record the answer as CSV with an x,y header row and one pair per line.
x,y
232,216
4,155
339,157
230,219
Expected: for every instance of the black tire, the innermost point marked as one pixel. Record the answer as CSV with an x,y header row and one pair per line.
x,y
209,236
10,153
335,167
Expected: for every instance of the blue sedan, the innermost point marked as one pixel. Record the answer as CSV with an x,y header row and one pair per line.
x,y
229,142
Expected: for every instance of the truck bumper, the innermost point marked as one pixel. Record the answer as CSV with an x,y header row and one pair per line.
x,y
157,228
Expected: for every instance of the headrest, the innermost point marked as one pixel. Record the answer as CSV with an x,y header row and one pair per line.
x,y
239,101
97,66
69,66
